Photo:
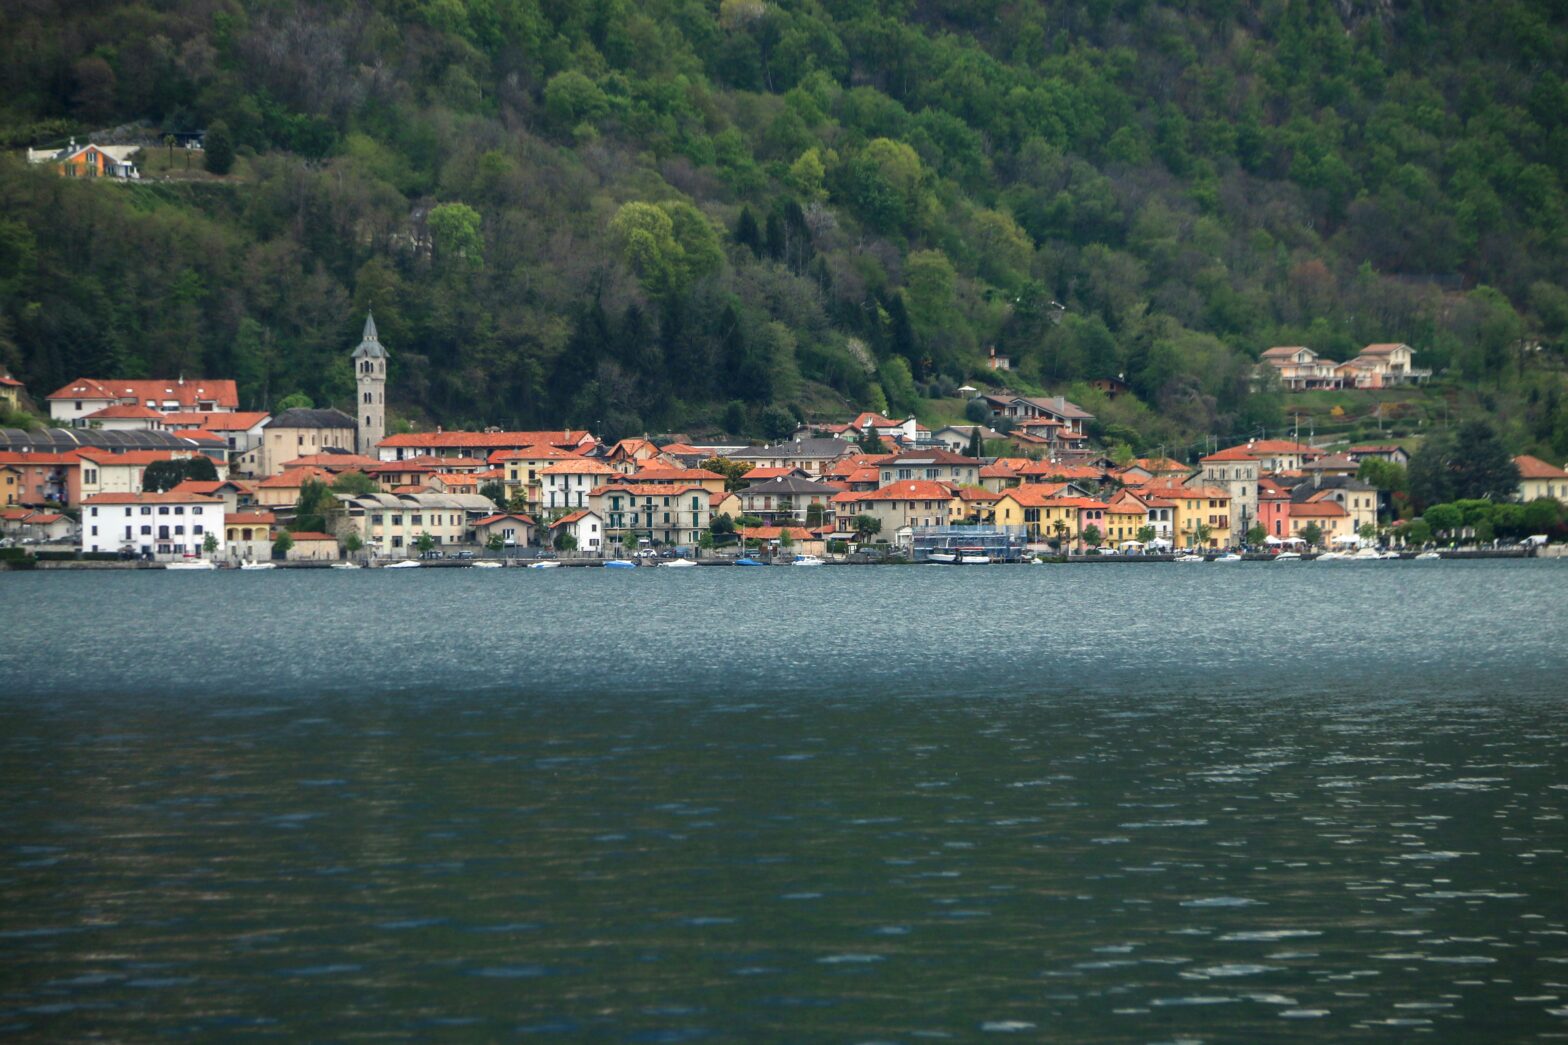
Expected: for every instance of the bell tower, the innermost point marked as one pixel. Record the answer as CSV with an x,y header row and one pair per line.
x,y
370,378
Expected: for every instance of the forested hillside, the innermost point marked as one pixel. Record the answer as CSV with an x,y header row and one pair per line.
x,y
636,215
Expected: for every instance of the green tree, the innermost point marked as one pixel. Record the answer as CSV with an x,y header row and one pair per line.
x,y
1256,535
455,234
815,516
495,542
975,449
1312,533
494,492
295,401
281,546
1416,533
866,527
1146,534
1444,519
1367,533
316,505
786,539
166,475
1482,466
355,484
352,544
565,542
1201,534
1092,536
424,542
209,543
218,148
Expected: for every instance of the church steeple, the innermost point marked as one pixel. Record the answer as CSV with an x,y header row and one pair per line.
x,y
370,378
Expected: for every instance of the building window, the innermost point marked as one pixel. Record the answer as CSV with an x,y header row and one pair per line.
x,y
196,510
95,514
147,531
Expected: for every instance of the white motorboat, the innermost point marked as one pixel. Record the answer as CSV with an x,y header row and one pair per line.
x,y
404,564
806,560
1188,557
543,564
1390,554
620,564
1429,555
190,564
944,558
1229,557
258,566
1365,553
673,563
347,566
1288,557
1332,557
488,564
974,559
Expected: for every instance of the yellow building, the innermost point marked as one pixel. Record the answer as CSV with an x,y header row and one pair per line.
x,y
1194,507
1539,479
525,469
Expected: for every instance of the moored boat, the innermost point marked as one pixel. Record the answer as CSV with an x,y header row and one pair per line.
x,y
746,560
945,558
620,564
404,564
258,566
1188,557
488,564
543,564
190,564
806,560
1229,557
677,563
347,566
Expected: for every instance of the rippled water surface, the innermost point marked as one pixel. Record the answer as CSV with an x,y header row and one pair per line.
x,y
1100,803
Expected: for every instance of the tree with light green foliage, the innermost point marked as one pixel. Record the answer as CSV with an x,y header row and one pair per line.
x,y
455,233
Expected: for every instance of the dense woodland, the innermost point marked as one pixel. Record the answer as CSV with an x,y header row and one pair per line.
x,y
691,214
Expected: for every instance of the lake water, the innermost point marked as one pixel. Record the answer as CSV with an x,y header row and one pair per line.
x,y
1103,803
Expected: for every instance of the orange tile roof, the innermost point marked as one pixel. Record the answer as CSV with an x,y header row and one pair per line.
x,y
68,458
234,421
312,535
166,497
646,489
773,533
296,477
185,391
1318,509
911,490
495,440
487,520
143,458
578,466
537,452
123,410
1535,468
581,513
669,473
245,516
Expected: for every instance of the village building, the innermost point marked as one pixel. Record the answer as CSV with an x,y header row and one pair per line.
x,y
788,500
801,540
958,438
105,472
515,531
524,468
585,527
40,478
88,395
1391,452
125,417
902,507
1236,470
301,431
42,526
629,455
235,495
934,464
1070,417
248,534
391,524
90,160
282,490
10,391
240,430
816,456
442,443
566,484
310,546
1332,520
668,513
1538,478
152,525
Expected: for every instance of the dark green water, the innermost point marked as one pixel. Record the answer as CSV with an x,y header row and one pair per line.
x,y
1220,803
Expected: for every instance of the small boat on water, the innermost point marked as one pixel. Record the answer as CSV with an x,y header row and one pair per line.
x,y
1429,555
973,557
1332,557
674,563
543,564
404,564
1365,553
943,558
1390,554
347,566
488,564
746,560
258,566
806,560
1188,557
1229,557
620,564
190,564
1288,557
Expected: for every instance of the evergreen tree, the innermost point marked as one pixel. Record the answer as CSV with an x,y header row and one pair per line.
x,y
975,450
1482,467
747,233
218,148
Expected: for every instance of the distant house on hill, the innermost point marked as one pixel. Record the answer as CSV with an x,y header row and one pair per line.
x,y
89,161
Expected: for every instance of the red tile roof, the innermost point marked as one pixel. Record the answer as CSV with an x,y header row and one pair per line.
x,y
187,392
1535,468
773,533
578,466
249,516
487,520
296,477
236,421
564,520
166,497
493,440
536,452
123,410
911,490
140,458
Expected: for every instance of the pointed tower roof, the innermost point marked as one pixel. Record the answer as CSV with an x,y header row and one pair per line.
x,y
370,346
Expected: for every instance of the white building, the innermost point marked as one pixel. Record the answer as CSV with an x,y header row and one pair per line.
x,y
585,527
567,484
156,525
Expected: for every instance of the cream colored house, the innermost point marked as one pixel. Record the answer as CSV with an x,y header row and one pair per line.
x,y
1539,479
300,432
390,524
